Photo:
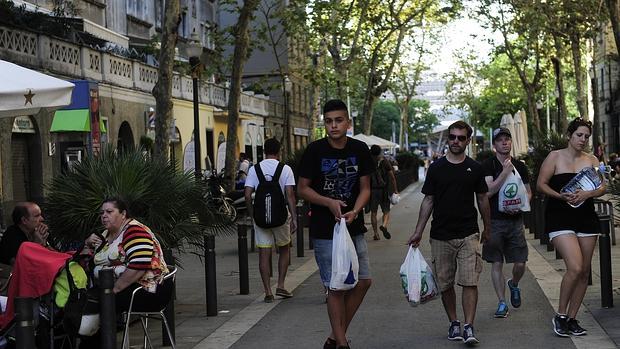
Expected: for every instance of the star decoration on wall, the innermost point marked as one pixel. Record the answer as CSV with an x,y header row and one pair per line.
x,y
28,97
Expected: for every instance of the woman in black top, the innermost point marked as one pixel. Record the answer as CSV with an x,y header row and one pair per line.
x,y
573,231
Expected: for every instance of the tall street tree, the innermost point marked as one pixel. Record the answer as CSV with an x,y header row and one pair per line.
x,y
162,91
524,41
240,55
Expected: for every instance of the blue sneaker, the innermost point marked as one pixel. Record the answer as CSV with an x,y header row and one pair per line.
x,y
515,294
454,332
502,310
468,335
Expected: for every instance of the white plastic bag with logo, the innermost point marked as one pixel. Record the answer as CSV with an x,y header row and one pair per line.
x,y
345,266
417,279
513,195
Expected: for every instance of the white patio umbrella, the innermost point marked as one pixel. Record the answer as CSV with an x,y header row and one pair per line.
x,y
509,123
520,122
24,91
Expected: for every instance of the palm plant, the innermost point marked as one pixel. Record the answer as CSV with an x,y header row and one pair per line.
x,y
170,202
542,145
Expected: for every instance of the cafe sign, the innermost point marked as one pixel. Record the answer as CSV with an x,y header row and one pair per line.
x,y
23,124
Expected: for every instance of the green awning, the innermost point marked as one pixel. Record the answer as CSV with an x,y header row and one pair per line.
x,y
102,128
77,120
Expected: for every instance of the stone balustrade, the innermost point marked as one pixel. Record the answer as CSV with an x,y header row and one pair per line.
x,y
80,62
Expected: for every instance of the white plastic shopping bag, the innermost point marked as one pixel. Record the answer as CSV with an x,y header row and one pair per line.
x,y
417,279
513,195
345,266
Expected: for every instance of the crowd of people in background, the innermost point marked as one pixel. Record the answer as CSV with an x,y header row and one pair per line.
x,y
340,177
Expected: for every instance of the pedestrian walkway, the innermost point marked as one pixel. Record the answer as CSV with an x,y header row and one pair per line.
x,y
385,320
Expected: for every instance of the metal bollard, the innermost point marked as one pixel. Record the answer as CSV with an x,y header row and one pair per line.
x,y
604,246
252,239
300,232
107,312
210,275
534,217
169,312
24,329
244,273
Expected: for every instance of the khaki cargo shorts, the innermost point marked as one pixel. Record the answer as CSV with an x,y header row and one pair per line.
x,y
265,236
460,257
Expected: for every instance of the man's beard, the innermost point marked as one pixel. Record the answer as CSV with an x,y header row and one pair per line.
x,y
456,150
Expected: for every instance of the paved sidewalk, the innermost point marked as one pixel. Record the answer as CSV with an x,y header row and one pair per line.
x,y
384,320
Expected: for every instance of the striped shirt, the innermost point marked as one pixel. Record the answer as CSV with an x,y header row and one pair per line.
x,y
138,246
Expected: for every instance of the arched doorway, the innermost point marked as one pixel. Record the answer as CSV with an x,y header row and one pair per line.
x,y
26,160
176,149
125,137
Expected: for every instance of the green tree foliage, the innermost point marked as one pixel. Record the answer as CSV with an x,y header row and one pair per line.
x,y
421,120
386,112
502,92
524,40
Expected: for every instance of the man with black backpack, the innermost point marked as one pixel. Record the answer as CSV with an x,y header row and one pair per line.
x,y
379,194
273,184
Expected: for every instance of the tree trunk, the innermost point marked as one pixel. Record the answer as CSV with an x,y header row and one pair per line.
x,y
162,91
242,41
404,123
316,110
561,99
614,16
530,92
369,102
575,45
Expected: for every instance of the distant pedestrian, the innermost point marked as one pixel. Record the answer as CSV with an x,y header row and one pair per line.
x,y
272,169
244,166
572,230
380,181
335,178
507,241
449,191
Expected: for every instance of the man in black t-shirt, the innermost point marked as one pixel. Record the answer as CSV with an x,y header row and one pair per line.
x,y
334,176
27,226
508,236
449,190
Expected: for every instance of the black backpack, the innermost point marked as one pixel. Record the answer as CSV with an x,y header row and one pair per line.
x,y
377,178
269,203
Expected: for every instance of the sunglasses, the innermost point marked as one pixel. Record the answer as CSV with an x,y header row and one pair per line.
x,y
460,137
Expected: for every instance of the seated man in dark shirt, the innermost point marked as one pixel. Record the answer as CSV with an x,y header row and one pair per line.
x,y
27,226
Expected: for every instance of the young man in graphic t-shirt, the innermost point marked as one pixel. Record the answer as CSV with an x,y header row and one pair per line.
x,y
334,177
449,189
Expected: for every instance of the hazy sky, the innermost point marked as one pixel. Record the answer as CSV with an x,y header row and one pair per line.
x,y
459,35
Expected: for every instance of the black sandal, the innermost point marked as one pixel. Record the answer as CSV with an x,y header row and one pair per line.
x,y
330,344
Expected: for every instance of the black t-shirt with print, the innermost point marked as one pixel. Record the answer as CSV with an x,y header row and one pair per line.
x,y
452,187
335,173
493,168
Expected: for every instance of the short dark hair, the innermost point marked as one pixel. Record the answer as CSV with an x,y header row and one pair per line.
x,y
461,125
20,211
119,203
271,147
576,123
375,150
335,104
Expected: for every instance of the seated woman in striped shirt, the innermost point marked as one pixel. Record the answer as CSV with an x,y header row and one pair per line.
x,y
132,250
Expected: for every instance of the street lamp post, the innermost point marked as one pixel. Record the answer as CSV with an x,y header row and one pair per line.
x,y
287,86
194,51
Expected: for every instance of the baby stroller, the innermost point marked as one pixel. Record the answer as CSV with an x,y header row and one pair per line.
x,y
36,274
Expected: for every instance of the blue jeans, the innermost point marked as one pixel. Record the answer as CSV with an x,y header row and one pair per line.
x,y
323,256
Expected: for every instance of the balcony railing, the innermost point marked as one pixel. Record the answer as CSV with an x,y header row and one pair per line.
x,y
81,62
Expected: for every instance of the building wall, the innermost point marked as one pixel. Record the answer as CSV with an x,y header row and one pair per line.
x,y
183,112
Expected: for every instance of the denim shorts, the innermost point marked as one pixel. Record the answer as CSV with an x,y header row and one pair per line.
x,y
323,256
